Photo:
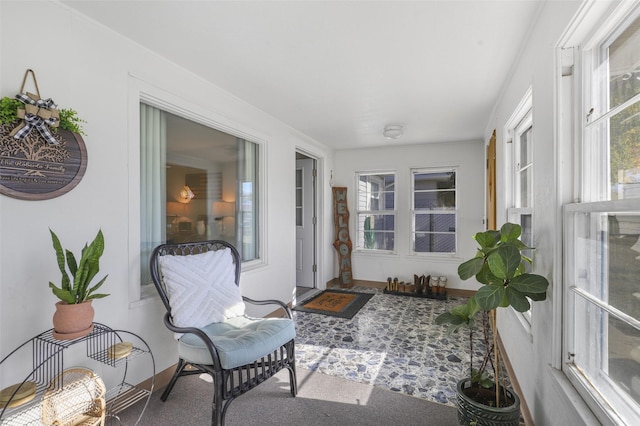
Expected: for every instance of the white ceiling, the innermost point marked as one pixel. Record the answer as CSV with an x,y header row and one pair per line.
x,y
338,71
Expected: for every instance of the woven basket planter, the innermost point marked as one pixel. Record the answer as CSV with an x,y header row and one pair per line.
x,y
75,398
472,412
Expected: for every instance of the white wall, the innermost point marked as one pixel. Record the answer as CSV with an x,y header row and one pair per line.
x,y
467,156
534,352
84,66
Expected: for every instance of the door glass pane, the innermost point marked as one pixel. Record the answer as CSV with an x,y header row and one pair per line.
x,y
299,197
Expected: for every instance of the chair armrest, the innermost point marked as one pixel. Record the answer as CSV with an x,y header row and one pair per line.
x,y
168,322
283,305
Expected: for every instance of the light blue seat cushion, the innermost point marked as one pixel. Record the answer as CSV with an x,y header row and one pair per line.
x,y
239,340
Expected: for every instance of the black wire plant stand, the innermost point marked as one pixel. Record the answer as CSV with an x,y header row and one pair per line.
x,y
48,365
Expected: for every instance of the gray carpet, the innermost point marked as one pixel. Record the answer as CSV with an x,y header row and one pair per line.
x,y
322,400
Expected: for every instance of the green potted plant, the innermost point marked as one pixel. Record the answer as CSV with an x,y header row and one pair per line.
x,y
501,267
74,312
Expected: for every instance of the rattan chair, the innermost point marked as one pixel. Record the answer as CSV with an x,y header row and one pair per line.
x,y
220,348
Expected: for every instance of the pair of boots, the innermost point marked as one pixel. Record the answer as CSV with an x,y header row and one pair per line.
x,y
421,283
438,285
395,285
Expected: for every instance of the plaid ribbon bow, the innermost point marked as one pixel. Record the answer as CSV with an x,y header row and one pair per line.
x,y
37,113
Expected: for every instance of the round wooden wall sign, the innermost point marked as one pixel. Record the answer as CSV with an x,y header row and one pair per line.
x,y
35,169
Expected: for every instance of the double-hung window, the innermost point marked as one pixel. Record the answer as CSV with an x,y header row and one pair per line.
x,y
602,230
521,210
196,183
434,210
520,168
376,211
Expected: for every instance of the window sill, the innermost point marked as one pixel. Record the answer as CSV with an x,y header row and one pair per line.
x,y
381,253
252,265
525,322
564,383
445,257
148,295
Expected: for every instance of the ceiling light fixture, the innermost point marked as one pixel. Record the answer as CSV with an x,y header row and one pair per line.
x,y
393,131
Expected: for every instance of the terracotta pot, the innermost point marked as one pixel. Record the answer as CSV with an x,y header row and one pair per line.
x,y
71,321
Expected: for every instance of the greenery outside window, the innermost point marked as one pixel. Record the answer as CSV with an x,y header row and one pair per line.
x,y
434,210
375,211
196,183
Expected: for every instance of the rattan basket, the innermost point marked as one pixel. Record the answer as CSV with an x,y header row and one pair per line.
x,y
74,398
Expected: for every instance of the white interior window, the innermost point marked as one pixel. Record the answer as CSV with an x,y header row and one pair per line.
x,y
520,169
602,231
376,211
196,183
434,210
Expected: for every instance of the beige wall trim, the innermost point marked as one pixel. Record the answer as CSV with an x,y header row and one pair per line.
x,y
161,379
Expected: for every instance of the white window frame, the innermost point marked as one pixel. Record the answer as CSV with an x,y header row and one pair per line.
x,y
455,211
144,92
521,121
582,352
359,213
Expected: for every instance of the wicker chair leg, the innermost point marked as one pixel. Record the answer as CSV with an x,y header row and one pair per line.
x,y
181,365
217,418
293,381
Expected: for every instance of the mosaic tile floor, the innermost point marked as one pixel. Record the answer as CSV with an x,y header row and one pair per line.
x,y
393,342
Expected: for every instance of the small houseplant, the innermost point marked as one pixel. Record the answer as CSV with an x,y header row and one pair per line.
x,y
74,314
501,267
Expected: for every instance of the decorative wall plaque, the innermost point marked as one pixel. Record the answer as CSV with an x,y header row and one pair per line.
x,y
33,169
343,242
42,154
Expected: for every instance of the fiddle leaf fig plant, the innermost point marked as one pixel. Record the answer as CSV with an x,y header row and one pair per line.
x,y
76,277
501,266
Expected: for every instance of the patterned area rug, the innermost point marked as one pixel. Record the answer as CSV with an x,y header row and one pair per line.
x,y
335,303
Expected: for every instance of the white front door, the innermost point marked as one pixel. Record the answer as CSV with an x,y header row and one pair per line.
x,y
305,223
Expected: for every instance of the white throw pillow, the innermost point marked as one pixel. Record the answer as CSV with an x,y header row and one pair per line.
x,y
201,288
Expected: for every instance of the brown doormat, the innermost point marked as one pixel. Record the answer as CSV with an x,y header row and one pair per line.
x,y
335,303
